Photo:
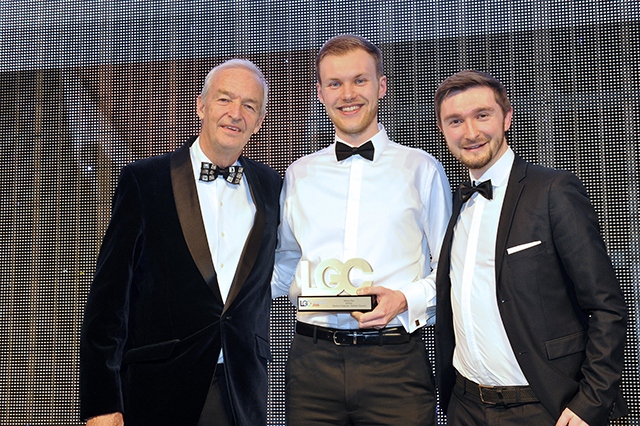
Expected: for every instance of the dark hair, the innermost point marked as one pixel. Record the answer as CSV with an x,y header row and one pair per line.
x,y
345,43
467,79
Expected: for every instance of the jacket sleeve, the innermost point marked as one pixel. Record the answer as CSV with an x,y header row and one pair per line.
x,y
582,251
104,328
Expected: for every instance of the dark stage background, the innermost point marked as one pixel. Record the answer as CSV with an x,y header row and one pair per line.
x,y
86,87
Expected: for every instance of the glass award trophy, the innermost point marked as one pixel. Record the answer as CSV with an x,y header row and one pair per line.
x,y
330,287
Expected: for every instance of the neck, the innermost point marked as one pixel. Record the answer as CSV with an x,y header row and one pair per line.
x,y
357,139
219,157
477,173
224,161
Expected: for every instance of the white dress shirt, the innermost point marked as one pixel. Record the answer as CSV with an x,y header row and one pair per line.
x,y
228,213
392,212
482,353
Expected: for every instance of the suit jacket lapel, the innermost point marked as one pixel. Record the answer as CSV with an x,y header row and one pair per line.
x,y
190,216
254,240
448,239
444,263
511,198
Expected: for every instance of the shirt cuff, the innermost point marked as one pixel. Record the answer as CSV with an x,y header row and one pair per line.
x,y
417,314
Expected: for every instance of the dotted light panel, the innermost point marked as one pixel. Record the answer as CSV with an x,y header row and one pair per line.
x,y
86,87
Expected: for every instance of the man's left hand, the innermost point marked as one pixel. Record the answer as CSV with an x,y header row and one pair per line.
x,y
569,418
390,304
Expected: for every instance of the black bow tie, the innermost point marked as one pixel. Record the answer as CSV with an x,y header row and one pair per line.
x,y
485,189
345,151
209,172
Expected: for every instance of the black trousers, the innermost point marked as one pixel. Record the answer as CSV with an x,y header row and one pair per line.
x,y
467,410
217,410
388,385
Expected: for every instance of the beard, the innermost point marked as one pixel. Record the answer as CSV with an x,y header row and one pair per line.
x,y
475,162
478,161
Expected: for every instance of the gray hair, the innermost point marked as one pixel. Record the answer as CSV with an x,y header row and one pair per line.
x,y
238,63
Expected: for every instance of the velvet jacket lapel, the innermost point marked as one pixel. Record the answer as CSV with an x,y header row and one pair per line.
x,y
254,240
188,207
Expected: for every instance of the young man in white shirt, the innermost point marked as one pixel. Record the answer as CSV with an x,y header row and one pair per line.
x,y
369,202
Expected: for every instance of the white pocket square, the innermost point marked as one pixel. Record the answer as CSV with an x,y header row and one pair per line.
x,y
523,247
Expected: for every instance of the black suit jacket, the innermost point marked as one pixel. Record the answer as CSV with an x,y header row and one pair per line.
x,y
155,322
560,302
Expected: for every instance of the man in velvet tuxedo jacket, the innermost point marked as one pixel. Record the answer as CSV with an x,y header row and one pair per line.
x,y
531,321
176,325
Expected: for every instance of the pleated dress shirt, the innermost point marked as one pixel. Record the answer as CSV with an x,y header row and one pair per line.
x,y
483,353
228,213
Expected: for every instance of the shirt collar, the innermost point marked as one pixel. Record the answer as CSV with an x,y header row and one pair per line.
x,y
197,154
380,141
499,172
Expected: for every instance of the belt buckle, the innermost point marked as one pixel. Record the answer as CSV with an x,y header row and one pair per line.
x,y
497,390
355,337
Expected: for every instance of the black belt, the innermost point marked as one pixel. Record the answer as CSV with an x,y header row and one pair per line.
x,y
497,395
363,336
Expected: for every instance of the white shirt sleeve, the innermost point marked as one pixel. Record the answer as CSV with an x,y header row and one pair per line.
x,y
421,294
288,251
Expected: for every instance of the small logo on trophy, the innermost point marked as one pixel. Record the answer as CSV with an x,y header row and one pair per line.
x,y
332,288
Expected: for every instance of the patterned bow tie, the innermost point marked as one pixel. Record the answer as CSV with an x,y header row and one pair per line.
x,y
209,172
345,151
485,189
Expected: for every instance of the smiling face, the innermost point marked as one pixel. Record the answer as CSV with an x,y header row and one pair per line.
x,y
474,127
349,88
230,114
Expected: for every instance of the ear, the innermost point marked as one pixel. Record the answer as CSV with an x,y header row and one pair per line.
x,y
383,87
319,90
507,119
259,125
200,107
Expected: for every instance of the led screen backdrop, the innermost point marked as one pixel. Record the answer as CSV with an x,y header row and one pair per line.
x,y
86,87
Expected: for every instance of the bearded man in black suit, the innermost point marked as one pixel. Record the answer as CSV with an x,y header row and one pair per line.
x,y
530,318
176,324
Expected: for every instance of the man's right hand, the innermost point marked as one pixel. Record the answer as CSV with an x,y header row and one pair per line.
x,y
113,419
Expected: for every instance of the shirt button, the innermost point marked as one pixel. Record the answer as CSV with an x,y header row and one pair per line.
x,y
222,265
222,234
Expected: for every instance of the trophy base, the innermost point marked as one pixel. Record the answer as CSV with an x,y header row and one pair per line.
x,y
336,303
